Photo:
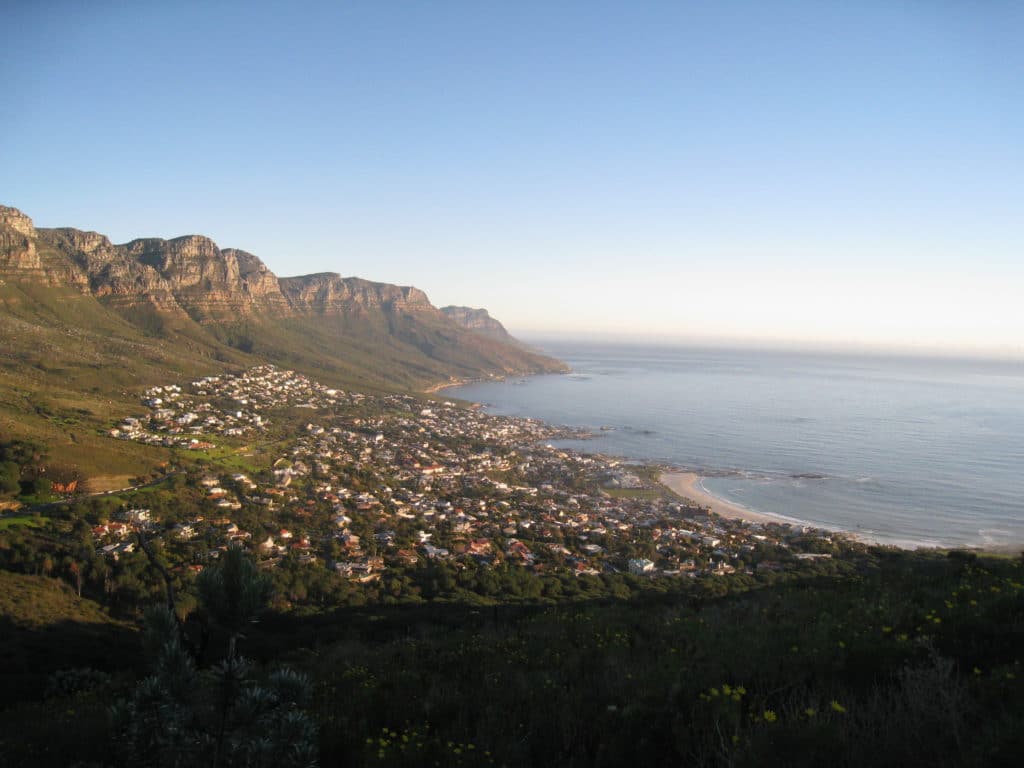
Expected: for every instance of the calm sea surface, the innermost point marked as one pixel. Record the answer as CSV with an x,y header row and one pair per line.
x,y
907,451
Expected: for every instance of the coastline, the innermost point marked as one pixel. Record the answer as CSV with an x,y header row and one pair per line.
x,y
435,388
688,485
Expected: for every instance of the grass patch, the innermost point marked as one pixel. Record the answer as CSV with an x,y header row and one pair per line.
x,y
36,499
20,521
38,601
104,483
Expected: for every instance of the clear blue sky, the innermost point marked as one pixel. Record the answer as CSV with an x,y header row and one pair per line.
x,y
847,171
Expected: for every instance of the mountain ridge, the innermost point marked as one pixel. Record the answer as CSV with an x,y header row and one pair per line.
x,y
86,323
191,277
479,320
193,274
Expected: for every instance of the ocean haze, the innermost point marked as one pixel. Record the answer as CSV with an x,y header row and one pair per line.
x,y
913,451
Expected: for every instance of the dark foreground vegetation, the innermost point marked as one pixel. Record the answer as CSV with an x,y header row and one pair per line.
x,y
901,659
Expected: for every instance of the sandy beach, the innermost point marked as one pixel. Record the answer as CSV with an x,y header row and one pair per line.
x,y
687,484
433,390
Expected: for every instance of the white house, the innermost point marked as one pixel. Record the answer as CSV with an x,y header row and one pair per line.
x,y
641,566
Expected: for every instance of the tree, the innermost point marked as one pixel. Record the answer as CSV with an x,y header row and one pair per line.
x,y
75,571
10,477
24,453
224,716
234,592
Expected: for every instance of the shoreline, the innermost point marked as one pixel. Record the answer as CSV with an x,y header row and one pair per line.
x,y
688,485
455,382
435,388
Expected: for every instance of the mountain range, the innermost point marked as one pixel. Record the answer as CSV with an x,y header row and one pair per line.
x,y
84,320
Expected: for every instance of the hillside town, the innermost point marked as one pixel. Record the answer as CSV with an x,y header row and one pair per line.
x,y
360,484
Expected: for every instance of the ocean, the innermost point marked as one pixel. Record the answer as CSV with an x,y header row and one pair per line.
x,y
900,450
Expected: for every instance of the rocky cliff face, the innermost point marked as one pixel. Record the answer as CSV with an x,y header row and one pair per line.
x,y
330,294
236,300
187,274
109,275
478,320
18,253
24,258
257,280
210,284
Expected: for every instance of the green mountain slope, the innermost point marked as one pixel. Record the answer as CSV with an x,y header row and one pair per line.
x,y
86,325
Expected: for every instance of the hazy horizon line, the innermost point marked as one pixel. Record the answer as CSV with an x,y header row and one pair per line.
x,y
994,353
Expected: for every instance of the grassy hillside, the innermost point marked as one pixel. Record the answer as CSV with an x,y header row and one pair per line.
x,y
86,326
38,602
68,366
47,627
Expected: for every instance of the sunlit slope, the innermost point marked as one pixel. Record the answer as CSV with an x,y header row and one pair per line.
x,y
86,325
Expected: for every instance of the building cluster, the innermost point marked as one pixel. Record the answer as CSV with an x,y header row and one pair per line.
x,y
231,406
369,483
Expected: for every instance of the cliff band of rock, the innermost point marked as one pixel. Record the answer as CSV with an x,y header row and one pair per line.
x,y
190,280
478,320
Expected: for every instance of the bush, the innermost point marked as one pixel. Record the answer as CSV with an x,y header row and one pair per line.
x,y
71,682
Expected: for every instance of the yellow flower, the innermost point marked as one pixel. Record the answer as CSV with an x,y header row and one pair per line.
x,y
770,716
837,707
810,711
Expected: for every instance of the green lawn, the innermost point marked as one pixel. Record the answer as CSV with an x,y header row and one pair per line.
x,y
14,521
